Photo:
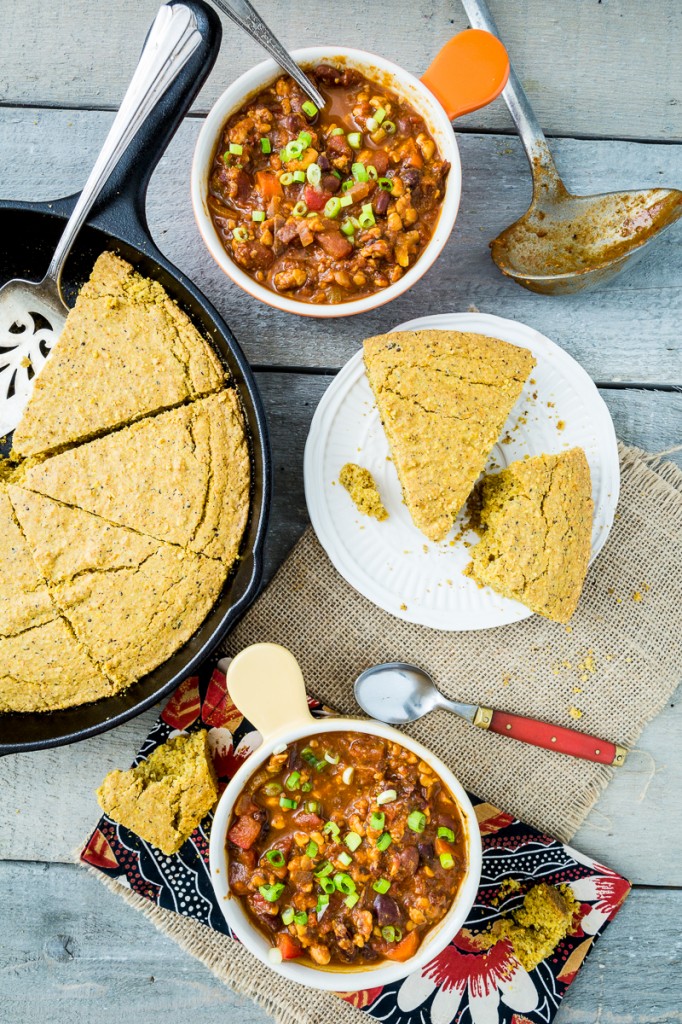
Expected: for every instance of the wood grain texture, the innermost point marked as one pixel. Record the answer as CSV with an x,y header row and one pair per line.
x,y
627,331
606,69
74,946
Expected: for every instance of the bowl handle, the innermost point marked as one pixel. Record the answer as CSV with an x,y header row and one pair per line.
x,y
266,683
468,73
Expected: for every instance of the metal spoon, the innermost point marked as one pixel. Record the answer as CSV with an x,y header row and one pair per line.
x,y
248,19
397,693
565,243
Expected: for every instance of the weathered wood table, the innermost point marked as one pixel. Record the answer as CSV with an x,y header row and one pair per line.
x,y
606,79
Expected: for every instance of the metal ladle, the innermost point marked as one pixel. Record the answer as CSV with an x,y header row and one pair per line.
x,y
398,693
565,243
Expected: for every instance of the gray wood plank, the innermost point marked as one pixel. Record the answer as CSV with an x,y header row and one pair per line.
x,y
75,951
608,69
634,827
628,331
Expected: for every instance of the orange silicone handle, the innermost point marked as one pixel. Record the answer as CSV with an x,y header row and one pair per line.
x,y
469,72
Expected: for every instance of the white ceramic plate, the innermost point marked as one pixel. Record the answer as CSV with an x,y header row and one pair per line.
x,y
392,563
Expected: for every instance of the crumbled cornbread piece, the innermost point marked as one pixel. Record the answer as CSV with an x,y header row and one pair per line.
x,y
126,350
443,398
537,927
575,712
165,797
536,527
362,488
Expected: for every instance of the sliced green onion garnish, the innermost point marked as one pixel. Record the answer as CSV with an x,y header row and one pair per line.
x,y
258,215
382,885
332,209
286,178
354,140
372,172
366,218
346,201
347,186
322,902
345,858
384,841
352,841
372,124
265,146
388,932
447,861
347,228
379,115
344,883
327,885
288,915
272,788
309,108
348,773
276,858
299,176
300,210
336,131
446,833
388,127
311,849
331,758
331,829
312,806
296,148
376,821
313,174
386,184
320,766
226,157
306,786
388,795
301,917
240,234
271,893
293,781
337,174
355,222
323,869
416,820
235,149
351,900
308,754
286,803
359,172
305,137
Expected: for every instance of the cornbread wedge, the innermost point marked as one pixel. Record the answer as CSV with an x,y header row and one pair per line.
x,y
363,490
24,599
537,927
126,350
443,398
164,798
129,599
536,529
180,477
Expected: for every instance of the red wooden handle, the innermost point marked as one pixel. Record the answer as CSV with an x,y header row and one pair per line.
x,y
555,737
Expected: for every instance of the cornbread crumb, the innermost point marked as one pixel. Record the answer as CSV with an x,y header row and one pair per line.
x,y
165,797
403,607
537,927
637,596
575,712
362,488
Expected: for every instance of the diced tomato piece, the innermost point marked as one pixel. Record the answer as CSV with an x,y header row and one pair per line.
x,y
288,946
244,832
268,184
360,191
441,846
315,198
306,819
404,949
334,244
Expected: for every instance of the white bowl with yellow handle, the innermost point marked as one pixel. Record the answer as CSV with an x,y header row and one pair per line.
x,y
266,684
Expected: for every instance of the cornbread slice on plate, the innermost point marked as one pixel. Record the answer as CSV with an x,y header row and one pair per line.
x,y
443,398
129,599
126,350
164,798
363,490
536,530
181,476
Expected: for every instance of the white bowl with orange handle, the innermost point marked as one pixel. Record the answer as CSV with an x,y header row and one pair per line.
x,y
468,73
266,684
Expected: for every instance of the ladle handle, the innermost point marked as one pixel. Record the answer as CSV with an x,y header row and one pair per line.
x,y
266,683
530,132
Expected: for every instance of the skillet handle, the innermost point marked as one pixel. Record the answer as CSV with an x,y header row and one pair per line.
x,y
197,32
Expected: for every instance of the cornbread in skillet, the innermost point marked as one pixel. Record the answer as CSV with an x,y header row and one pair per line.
x,y
181,476
536,529
164,798
126,350
535,928
443,398
129,599
362,488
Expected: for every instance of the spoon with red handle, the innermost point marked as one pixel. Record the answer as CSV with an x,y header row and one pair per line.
x,y
397,693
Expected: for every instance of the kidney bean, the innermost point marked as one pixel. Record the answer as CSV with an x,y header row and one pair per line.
x,y
411,177
381,202
323,162
387,910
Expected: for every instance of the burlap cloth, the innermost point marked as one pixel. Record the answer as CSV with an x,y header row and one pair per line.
x,y
617,663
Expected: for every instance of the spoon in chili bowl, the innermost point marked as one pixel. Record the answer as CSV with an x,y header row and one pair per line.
x,y
398,693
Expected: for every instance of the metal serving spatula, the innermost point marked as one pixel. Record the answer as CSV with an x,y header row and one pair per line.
x,y
32,314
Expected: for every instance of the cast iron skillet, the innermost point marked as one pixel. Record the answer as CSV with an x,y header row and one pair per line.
x,y
28,235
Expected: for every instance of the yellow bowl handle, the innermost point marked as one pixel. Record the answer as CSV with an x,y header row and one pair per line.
x,y
266,683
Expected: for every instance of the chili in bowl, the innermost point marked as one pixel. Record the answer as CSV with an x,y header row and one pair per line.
x,y
341,846
328,212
